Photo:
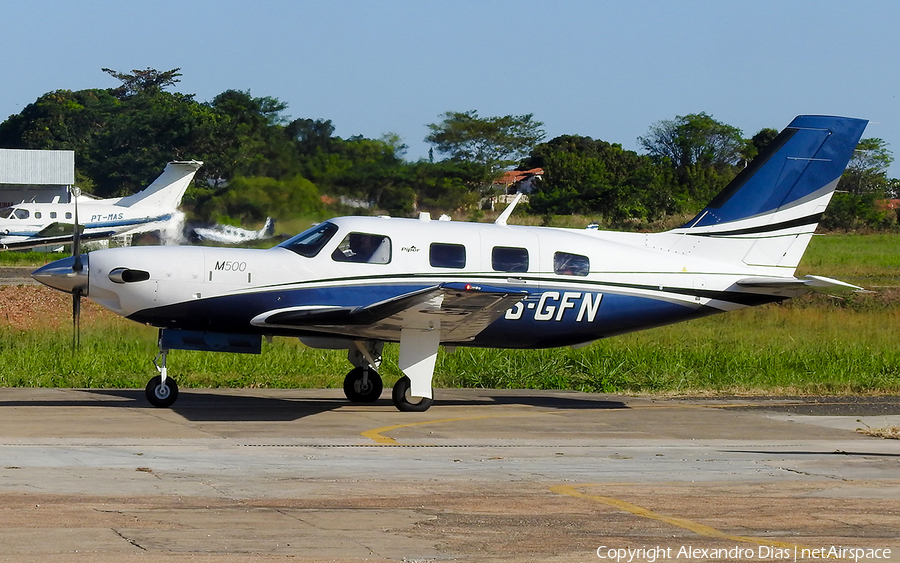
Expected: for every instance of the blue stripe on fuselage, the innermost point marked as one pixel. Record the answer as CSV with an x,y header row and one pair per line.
x,y
553,317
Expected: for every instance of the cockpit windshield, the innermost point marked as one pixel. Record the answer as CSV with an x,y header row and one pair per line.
x,y
310,242
13,213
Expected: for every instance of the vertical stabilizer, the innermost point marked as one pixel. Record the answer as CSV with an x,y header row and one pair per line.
x,y
766,216
168,189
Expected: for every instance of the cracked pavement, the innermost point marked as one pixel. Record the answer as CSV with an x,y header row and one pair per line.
x,y
485,475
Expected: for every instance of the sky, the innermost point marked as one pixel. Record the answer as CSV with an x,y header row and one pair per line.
x,y
604,69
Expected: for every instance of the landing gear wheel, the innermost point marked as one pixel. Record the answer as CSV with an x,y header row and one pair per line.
x,y
162,395
358,391
401,398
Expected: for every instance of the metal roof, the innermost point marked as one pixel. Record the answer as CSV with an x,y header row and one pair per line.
x,y
37,167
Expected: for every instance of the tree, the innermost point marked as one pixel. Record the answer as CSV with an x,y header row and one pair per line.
x,y
582,175
310,136
254,199
493,142
756,143
867,170
702,151
251,137
146,80
694,139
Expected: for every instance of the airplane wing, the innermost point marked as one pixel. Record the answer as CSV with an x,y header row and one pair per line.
x,y
460,311
40,240
57,229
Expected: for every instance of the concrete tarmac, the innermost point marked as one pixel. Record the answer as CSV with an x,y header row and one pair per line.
x,y
484,475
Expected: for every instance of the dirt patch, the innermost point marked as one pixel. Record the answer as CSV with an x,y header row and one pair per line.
x,y
33,307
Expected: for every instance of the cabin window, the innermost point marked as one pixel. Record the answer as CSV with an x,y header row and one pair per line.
x,y
365,248
37,214
310,242
53,214
509,259
568,264
68,214
21,214
443,255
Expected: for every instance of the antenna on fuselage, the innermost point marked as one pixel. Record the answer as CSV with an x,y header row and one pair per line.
x,y
501,220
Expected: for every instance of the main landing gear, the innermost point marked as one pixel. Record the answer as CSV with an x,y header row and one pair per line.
x,y
364,385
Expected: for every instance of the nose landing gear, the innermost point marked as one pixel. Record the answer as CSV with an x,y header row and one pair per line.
x,y
162,391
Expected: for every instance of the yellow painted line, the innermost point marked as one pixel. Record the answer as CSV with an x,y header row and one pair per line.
x,y
376,433
696,527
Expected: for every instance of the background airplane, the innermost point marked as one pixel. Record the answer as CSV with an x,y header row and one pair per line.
x,y
358,282
228,234
28,225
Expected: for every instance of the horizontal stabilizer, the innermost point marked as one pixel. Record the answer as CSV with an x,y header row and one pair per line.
x,y
811,283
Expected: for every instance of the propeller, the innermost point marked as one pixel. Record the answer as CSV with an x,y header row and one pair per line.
x,y
77,268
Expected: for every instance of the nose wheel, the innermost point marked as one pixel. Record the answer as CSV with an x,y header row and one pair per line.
x,y
161,391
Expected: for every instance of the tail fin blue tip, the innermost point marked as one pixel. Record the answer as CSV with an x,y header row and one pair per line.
x,y
803,162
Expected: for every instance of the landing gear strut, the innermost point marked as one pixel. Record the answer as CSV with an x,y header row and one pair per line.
x,y
162,391
363,384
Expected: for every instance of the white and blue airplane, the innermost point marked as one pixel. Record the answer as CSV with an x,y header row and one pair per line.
x,y
28,225
357,282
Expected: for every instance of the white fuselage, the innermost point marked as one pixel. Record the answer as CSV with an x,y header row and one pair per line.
x,y
225,289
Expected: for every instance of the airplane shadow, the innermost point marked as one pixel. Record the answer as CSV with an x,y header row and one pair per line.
x,y
210,406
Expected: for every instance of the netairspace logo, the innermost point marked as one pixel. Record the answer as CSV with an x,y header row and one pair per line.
x,y
760,553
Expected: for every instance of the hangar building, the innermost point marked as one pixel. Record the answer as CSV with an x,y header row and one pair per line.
x,y
35,175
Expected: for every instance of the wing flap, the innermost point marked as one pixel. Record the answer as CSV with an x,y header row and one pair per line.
x,y
459,311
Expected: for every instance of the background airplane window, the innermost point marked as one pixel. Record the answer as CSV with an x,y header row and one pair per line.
x,y
567,264
509,259
53,214
68,214
310,242
37,214
363,247
21,214
443,255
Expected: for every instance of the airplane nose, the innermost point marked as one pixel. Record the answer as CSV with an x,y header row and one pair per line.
x,y
62,275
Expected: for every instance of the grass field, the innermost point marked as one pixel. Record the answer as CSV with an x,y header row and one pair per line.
x,y
816,344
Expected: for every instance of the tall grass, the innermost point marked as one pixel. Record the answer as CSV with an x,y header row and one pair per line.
x,y
784,349
811,346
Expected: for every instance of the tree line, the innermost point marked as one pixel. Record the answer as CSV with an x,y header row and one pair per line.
x,y
259,162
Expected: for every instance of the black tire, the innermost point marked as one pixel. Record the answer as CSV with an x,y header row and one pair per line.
x,y
162,396
354,390
401,401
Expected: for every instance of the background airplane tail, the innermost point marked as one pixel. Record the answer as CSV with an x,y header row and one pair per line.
x,y
268,230
168,189
767,215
